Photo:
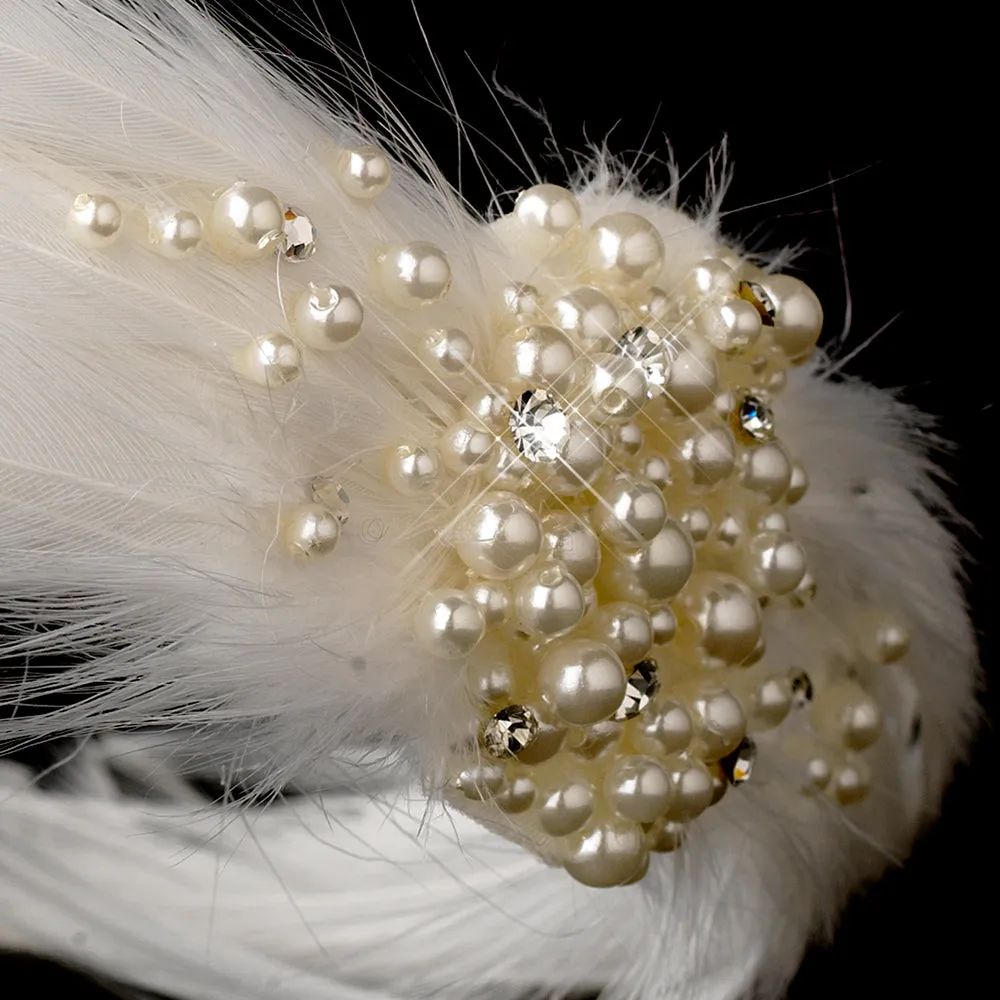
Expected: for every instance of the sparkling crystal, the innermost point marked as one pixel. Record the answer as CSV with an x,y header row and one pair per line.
x,y
540,427
802,688
510,731
738,766
648,350
643,683
755,294
755,418
300,236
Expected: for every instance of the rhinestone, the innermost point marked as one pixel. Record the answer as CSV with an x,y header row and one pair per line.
x,y
802,688
300,236
510,731
643,683
738,766
755,294
540,427
650,352
754,418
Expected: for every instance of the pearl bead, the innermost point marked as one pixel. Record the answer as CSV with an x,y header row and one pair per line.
x,y
664,623
852,783
517,796
668,836
493,600
489,682
272,360
326,317
566,809
767,469
590,318
773,520
845,712
174,233
669,731
892,642
638,789
448,624
465,445
626,628
489,405
412,469
798,314
709,456
711,278
624,251
364,172
656,469
312,530
548,601
772,701
95,220
861,724
730,326
798,483
804,593
818,773
480,782
533,357
654,305
569,540
617,387
505,470
698,522
247,222
727,615
693,788
657,571
499,536
583,458
629,438
413,275
730,531
775,562
582,681
521,304
598,738
548,214
719,722
692,382
609,855
630,512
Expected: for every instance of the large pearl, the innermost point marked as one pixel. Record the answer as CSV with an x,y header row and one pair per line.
x,y
583,458
624,251
312,530
548,214
517,796
709,456
326,317
363,172
727,615
499,536
669,731
630,512
272,360
489,682
609,855
582,681
655,572
720,723
95,220
447,352
247,222
767,469
590,318
638,789
413,275
772,701
710,278
730,326
617,388
775,562
548,601
412,469
174,233
567,808
693,378
569,540
693,788
465,445
626,628
798,315
448,624
532,357
493,599
521,304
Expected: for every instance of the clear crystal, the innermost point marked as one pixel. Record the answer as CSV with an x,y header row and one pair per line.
x,y
648,350
510,731
300,236
802,688
738,766
643,683
755,418
540,427
759,299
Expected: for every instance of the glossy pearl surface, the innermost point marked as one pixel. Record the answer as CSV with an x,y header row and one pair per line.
x,y
489,682
626,628
326,317
464,445
447,352
638,788
582,681
730,326
448,624
630,512
95,220
548,601
273,360
311,531
610,855
568,539
533,357
625,251
413,469
719,722
363,172
775,562
499,537
669,731
567,808
174,233
246,223
658,570
709,456
692,382
548,214
727,615
413,275
617,388
589,317
493,599
798,314
767,469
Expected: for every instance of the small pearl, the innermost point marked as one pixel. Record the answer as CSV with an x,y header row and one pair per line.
x,y
798,483
818,773
709,456
548,215
326,317
711,278
448,624
767,469
852,783
521,304
727,615
548,601
480,782
693,379
693,788
730,326
412,469
533,357
845,712
499,536
174,233
493,600
95,220
582,681
272,360
772,701
654,305
624,251
312,531
656,469
517,796
489,405
730,531
638,788
668,837
583,458
658,570
465,445
798,314
698,522
669,731
489,682
630,512
892,642
247,222
566,809
664,623
775,562
608,856
364,172
804,593
719,722
773,520
617,387
413,275
590,318
569,540
626,628
629,438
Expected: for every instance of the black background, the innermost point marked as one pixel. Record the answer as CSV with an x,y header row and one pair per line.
x,y
850,144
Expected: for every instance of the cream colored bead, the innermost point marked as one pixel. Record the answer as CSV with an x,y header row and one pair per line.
x,y
798,314
668,836
547,743
775,562
569,540
488,405
628,439
95,220
729,326
481,781
767,469
798,483
272,360
693,788
664,623
698,522
891,642
669,731
656,469
312,530
624,251
720,723
363,172
654,305
818,773
516,796
709,456
655,572
326,317
521,304
489,682
852,782
412,469
582,681
534,357
583,458
590,318
773,520
499,536
772,701
631,512
493,600
465,445
174,233
247,222
845,712
711,278
413,275
638,788
448,624
727,615
548,214
693,379
617,388
626,628
567,808
447,352
609,855
548,601
595,740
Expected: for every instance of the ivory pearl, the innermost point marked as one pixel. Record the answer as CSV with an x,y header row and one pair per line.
x,y
480,782
548,214
95,220
499,536
772,701
630,512
548,601
326,317
567,808
626,628
521,304
590,318
692,382
711,278
798,483
568,539
798,314
775,562
272,360
693,788
720,722
489,682
582,681
891,643
412,469
669,731
533,357
664,623
583,458
767,469
852,782
638,788
488,405
625,251
448,352
311,531
448,624
363,172
609,855
174,233
730,326
493,599
246,222
727,616
465,445
658,570
517,795
413,275
709,456
617,388
656,469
